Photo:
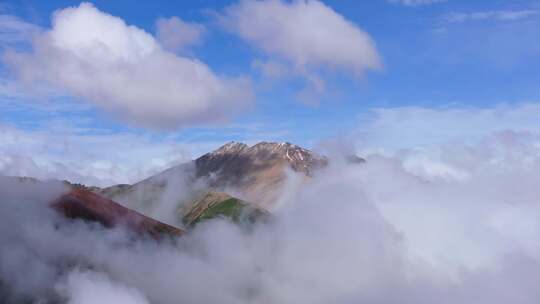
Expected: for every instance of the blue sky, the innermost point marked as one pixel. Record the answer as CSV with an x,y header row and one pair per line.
x,y
446,56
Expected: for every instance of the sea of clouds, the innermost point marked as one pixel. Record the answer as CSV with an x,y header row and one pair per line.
x,y
456,226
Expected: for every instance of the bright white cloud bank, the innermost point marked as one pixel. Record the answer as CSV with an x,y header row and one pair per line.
x,y
457,226
82,288
370,233
121,68
304,33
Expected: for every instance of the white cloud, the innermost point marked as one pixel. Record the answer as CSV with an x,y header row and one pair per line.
x,y
416,2
84,287
175,34
14,30
124,70
303,33
68,146
349,235
271,69
395,128
92,158
502,15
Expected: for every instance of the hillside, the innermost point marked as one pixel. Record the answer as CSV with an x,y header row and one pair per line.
x,y
82,204
235,181
219,204
254,175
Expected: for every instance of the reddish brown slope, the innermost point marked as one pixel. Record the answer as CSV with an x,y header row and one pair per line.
x,y
83,204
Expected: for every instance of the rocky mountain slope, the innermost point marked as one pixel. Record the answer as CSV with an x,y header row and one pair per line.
x,y
79,203
258,172
236,181
254,175
75,201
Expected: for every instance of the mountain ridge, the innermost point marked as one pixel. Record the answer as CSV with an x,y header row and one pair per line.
x,y
254,174
236,181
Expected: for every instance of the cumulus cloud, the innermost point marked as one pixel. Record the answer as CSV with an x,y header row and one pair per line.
x,y
175,34
305,35
98,57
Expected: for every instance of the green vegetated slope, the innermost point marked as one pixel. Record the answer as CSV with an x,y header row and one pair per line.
x,y
219,204
231,208
204,206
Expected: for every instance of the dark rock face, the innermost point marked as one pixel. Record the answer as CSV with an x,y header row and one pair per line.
x,y
83,204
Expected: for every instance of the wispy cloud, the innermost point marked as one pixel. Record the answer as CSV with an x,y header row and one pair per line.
x,y
501,15
400,127
176,34
93,157
14,30
416,2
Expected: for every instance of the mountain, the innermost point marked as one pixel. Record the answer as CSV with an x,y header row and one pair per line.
x,y
236,181
79,203
253,175
256,173
75,201
237,160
